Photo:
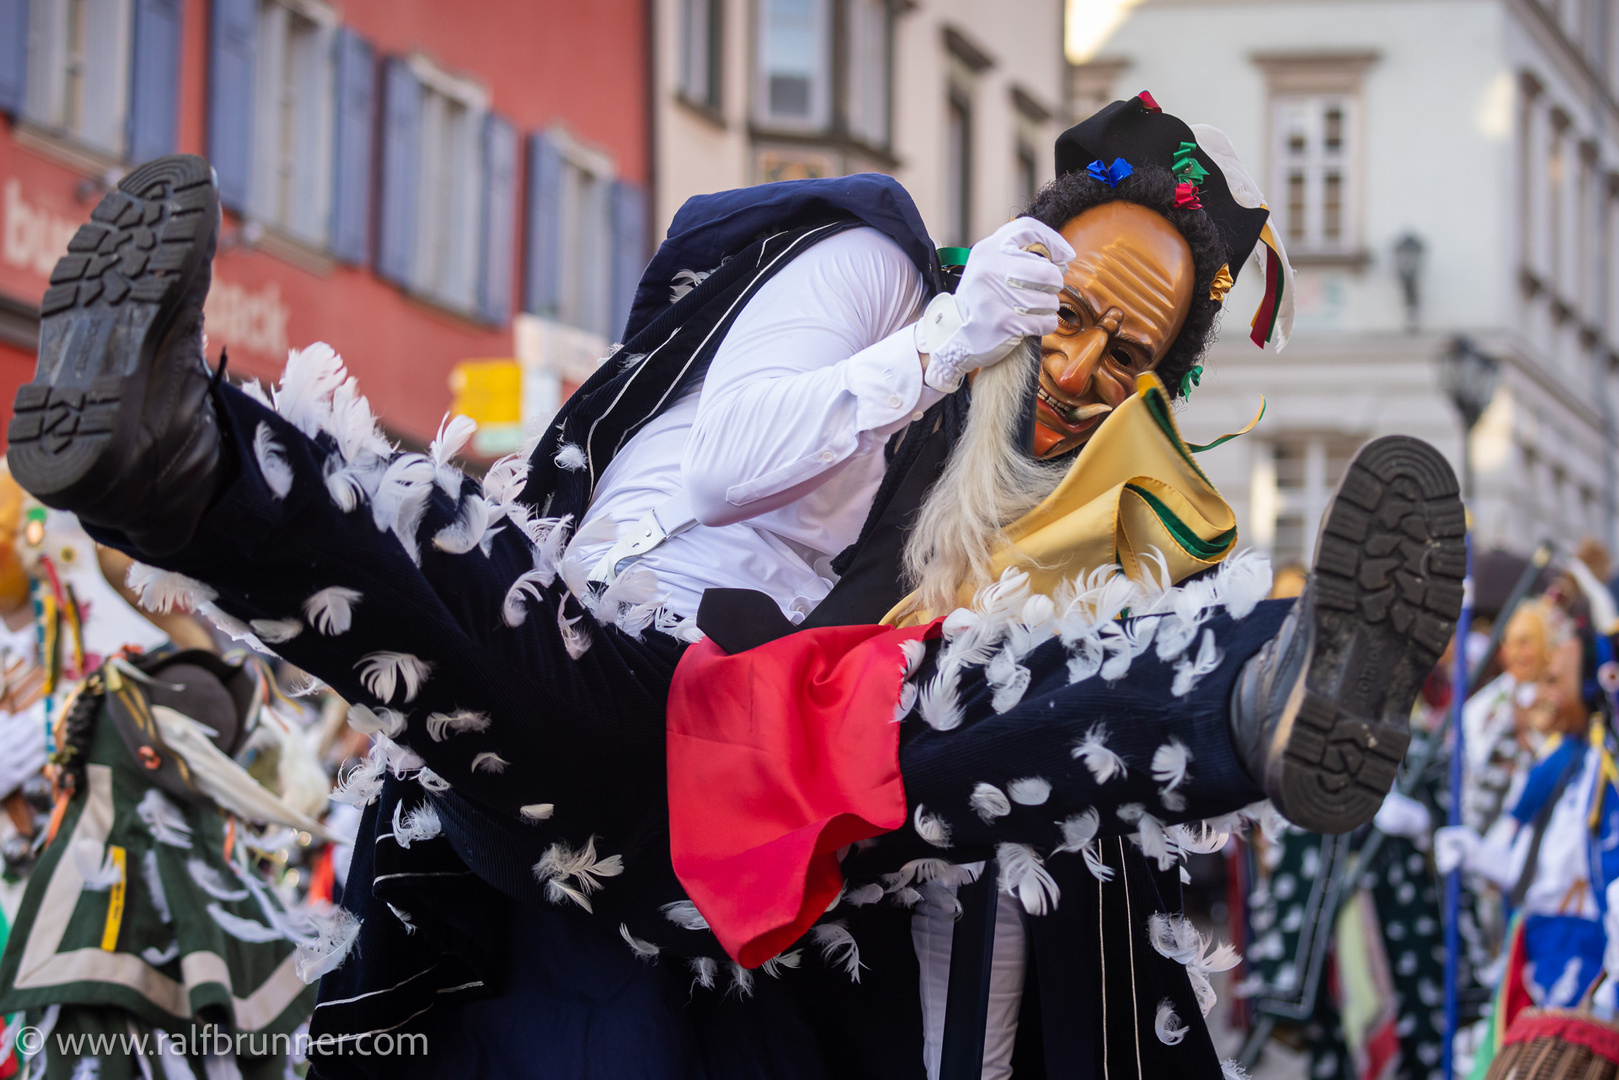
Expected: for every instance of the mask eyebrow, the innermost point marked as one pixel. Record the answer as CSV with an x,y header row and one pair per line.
x,y
1121,337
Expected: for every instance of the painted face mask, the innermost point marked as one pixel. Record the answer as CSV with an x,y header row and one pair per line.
x,y
1124,299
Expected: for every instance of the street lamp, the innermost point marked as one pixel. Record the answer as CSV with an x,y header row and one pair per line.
x,y
1408,254
1469,375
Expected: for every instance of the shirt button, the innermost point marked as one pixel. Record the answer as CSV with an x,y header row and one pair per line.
x,y
894,401
827,456
917,415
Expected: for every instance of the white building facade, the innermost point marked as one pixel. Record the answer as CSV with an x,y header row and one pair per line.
x,y
959,100
1486,129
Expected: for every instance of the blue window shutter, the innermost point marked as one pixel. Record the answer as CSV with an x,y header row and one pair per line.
x,y
13,55
629,248
154,100
351,159
232,43
401,154
543,285
498,227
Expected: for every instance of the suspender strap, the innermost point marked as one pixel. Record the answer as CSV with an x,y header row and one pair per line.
x,y
670,518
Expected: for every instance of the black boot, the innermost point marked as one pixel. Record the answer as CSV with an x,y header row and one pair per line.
x,y
117,425
1321,715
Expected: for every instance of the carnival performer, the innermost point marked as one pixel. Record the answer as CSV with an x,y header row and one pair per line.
x,y
562,793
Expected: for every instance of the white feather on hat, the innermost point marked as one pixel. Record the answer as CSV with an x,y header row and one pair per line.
x,y
1217,145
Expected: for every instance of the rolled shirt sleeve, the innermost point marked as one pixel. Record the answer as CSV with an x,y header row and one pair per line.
x,y
819,370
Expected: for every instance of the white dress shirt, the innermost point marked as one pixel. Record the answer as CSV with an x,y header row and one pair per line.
x,y
780,449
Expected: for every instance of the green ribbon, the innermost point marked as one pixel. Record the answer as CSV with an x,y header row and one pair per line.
x,y
1185,165
1190,379
953,256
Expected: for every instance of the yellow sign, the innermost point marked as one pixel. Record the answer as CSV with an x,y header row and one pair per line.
x,y
491,393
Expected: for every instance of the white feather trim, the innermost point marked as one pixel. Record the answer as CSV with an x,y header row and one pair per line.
x,y
384,671
420,823
1078,830
1167,1025
331,610
467,530
163,819
1155,841
441,726
684,914
1188,672
1029,791
939,701
1242,582
155,892
96,865
741,981
453,435
1232,1070
272,459
241,929
163,591
1092,853
781,962
574,638
1103,763
935,830
255,390
505,479
361,785
335,934
1008,678
643,949
403,916
838,947
304,396
989,801
914,650
1174,936
366,721
432,781
401,500
570,458
570,874
1169,763
490,762
1025,876
863,895
703,969
540,811
208,880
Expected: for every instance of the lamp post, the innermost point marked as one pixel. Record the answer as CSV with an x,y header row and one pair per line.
x,y
1469,376
1409,251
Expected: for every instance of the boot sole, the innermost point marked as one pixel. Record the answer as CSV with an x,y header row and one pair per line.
x,y
113,299
1386,590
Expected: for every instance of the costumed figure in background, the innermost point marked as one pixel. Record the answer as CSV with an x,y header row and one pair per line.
x,y
573,812
145,915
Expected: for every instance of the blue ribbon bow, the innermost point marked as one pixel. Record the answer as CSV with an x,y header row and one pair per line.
x,y
1111,174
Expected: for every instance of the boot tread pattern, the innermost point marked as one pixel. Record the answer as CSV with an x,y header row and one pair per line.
x,y
1389,567
136,249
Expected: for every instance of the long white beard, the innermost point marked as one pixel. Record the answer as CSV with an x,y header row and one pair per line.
x,y
988,482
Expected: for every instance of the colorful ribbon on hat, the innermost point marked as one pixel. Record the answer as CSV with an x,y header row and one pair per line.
x,y
1185,165
1264,324
1186,197
1110,174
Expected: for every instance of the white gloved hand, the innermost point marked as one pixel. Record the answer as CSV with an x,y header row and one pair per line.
x,y
1401,815
1456,847
1006,294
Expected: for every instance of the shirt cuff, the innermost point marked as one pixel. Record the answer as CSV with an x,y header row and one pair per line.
x,y
886,381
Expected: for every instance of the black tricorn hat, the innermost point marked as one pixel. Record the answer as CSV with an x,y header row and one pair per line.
x,y
1143,134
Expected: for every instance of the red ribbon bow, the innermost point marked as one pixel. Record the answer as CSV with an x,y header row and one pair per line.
x,y
1147,100
1186,197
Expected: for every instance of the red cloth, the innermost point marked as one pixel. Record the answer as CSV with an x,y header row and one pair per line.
x,y
778,757
1584,1031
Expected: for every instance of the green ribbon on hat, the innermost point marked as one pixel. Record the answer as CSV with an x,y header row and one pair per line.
x,y
1186,166
954,256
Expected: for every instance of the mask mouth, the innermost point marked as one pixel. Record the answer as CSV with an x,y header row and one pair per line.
x,y
1073,414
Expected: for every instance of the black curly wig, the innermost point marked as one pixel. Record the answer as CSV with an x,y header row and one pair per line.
x,y
1153,187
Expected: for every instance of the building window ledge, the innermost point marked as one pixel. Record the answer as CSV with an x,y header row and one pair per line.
x,y
65,150
1330,260
830,141
702,110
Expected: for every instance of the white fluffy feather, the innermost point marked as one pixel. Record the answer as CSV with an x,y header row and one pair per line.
x,y
1079,829
1169,763
441,726
272,459
703,970
209,881
575,639
838,947
163,591
453,435
540,811
1188,672
249,930
1093,750
570,874
489,762
1029,791
570,457
1025,876
421,823
401,500
1167,1025
335,934
684,914
304,395
276,631
385,671
931,828
366,721
331,610
361,785
163,819
989,801
643,949
467,530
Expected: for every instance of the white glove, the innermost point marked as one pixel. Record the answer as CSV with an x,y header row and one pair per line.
x,y
1456,847
1401,815
1006,294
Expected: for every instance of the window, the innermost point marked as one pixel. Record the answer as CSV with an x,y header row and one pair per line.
x,y
870,24
958,169
291,185
586,247
1026,175
1315,171
449,170
78,70
1306,468
701,52
794,77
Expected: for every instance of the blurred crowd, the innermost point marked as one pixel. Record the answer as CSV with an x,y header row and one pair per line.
x,y
1344,937
209,844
